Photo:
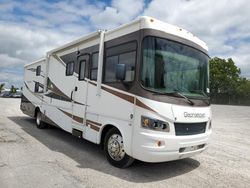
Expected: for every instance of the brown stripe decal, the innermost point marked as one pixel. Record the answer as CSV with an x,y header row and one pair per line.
x,y
93,125
66,113
121,95
78,119
142,105
92,83
93,122
58,92
116,93
126,97
79,103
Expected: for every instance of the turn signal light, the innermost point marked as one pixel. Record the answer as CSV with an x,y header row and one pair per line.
x,y
160,143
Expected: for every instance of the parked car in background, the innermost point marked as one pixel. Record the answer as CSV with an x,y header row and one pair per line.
x,y
7,94
18,94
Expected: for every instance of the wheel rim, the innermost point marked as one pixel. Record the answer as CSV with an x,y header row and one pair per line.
x,y
115,147
38,118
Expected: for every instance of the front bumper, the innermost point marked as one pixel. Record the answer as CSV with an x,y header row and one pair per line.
x,y
147,148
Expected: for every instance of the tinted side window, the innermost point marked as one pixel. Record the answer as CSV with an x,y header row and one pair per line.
x,y
129,60
122,54
94,66
110,68
69,68
120,49
36,87
38,70
82,69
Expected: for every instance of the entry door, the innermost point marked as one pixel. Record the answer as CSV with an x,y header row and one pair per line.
x,y
79,105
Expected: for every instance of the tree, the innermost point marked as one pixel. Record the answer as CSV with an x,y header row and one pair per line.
x,y
226,84
224,76
1,87
243,89
13,89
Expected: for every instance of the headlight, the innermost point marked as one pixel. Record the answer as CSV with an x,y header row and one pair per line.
x,y
154,124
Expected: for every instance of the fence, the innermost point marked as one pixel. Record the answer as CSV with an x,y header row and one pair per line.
x,y
224,98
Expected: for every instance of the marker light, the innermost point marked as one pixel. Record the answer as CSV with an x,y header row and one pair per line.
x,y
154,124
160,143
210,125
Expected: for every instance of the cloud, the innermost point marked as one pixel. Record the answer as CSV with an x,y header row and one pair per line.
x,y
29,28
118,13
11,79
215,22
28,43
7,6
7,61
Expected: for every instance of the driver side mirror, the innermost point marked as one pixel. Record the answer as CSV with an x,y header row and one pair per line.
x,y
120,71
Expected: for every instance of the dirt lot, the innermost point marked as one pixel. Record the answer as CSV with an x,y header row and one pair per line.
x,y
30,157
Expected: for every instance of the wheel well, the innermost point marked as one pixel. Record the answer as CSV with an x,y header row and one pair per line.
x,y
36,110
104,132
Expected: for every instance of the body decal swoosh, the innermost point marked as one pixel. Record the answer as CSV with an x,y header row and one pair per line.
x,y
93,125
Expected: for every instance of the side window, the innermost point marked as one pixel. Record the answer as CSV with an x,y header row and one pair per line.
x,y
36,87
38,70
70,68
129,60
110,68
82,65
122,54
94,66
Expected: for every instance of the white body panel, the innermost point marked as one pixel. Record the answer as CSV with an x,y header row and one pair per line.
x,y
145,141
88,111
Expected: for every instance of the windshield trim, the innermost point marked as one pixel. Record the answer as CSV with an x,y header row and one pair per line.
x,y
202,97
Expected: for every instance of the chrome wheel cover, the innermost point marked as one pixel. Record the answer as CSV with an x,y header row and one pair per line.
x,y
115,147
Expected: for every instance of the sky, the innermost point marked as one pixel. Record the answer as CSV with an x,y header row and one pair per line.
x,y
30,28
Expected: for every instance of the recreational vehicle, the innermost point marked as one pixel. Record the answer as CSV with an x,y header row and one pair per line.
x,y
140,91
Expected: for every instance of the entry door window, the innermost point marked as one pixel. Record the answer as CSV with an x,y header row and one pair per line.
x,y
38,70
82,65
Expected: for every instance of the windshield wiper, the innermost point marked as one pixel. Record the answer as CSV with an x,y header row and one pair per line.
x,y
206,97
176,93
200,92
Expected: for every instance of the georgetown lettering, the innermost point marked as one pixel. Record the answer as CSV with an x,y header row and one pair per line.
x,y
194,115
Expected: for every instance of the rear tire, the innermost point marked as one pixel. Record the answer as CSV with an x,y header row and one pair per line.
x,y
114,149
39,123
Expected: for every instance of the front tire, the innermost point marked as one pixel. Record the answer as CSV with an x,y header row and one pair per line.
x,y
39,123
114,149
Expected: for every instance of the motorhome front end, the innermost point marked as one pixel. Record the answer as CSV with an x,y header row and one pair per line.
x,y
141,91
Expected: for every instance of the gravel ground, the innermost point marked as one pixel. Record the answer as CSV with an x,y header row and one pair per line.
x,y
30,157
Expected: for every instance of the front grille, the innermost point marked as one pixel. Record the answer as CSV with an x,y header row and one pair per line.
x,y
182,129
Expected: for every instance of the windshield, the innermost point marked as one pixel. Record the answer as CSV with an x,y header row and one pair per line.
x,y
169,66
